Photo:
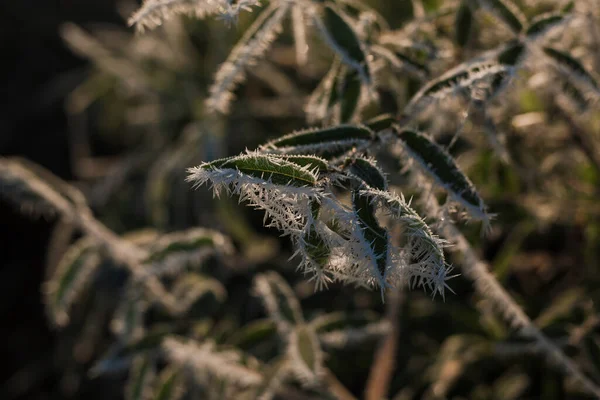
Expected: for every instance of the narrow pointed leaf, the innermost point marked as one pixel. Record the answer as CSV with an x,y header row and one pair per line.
x,y
381,122
191,289
463,23
571,64
511,53
338,33
507,12
542,23
279,299
368,172
189,241
74,271
340,320
306,357
440,165
267,168
350,89
323,136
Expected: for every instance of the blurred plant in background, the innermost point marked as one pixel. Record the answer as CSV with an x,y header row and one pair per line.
x,y
481,110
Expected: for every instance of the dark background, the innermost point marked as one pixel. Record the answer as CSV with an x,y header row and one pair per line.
x,y
37,71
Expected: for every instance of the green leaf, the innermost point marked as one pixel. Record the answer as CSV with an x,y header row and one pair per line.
x,y
188,242
74,271
34,189
570,64
463,23
349,92
169,385
440,165
381,122
462,76
191,289
323,136
311,162
511,53
340,320
141,376
305,355
339,34
253,333
507,12
544,22
367,171
268,168
280,301
376,236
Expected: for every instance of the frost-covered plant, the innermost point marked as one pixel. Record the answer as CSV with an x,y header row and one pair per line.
x,y
337,192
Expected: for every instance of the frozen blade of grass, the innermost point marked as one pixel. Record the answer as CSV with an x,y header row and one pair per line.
x,y
305,355
74,272
440,166
279,300
253,45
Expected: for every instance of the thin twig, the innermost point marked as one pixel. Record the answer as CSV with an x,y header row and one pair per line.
x,y
384,364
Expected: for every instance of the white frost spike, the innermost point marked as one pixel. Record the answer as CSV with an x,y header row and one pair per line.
x,y
255,42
